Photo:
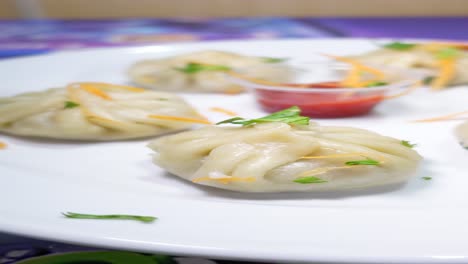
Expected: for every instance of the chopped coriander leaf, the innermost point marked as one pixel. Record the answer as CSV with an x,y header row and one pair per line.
x,y
273,60
289,116
374,84
70,104
193,67
162,99
144,219
448,53
367,161
406,143
310,179
426,178
428,80
399,46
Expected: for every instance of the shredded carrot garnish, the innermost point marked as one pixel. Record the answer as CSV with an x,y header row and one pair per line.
x,y
353,79
448,117
181,119
93,90
225,180
446,73
3,145
224,111
114,86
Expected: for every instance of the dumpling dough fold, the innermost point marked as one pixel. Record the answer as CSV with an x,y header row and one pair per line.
x,y
271,157
94,111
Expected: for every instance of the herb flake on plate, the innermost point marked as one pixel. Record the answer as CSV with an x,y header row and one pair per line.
x,y
273,60
144,219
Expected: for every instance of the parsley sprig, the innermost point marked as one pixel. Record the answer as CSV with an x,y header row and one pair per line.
x,y
70,104
408,144
399,46
273,60
194,67
144,219
374,84
367,161
289,116
448,53
309,179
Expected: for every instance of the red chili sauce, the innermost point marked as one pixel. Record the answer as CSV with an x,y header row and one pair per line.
x,y
317,104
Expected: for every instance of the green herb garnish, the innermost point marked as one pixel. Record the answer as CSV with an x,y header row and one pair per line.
x,y
289,116
273,60
448,53
367,161
406,143
374,84
428,80
310,179
144,219
162,99
426,178
70,104
193,67
399,46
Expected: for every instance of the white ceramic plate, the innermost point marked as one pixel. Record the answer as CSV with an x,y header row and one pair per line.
x,y
420,222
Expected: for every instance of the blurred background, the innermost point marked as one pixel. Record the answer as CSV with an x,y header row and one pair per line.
x,y
29,27
89,9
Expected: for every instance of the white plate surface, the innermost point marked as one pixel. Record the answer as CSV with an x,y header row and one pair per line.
x,y
420,222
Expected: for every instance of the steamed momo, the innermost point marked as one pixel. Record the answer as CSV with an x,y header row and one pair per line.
x,y
192,73
94,111
450,63
277,157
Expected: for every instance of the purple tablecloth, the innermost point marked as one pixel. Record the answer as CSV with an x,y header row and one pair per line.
x,y
18,38
38,36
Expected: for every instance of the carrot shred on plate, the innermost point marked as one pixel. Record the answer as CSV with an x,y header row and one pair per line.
x,y
446,73
181,119
353,78
452,116
224,111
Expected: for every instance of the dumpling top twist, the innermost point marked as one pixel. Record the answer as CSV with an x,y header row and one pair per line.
x,y
95,111
276,156
204,71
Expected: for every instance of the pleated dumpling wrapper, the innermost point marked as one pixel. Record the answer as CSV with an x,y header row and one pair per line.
x,y
95,111
449,61
284,152
205,71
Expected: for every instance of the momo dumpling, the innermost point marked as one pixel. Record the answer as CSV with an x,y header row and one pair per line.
x,y
205,71
277,156
95,111
449,62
